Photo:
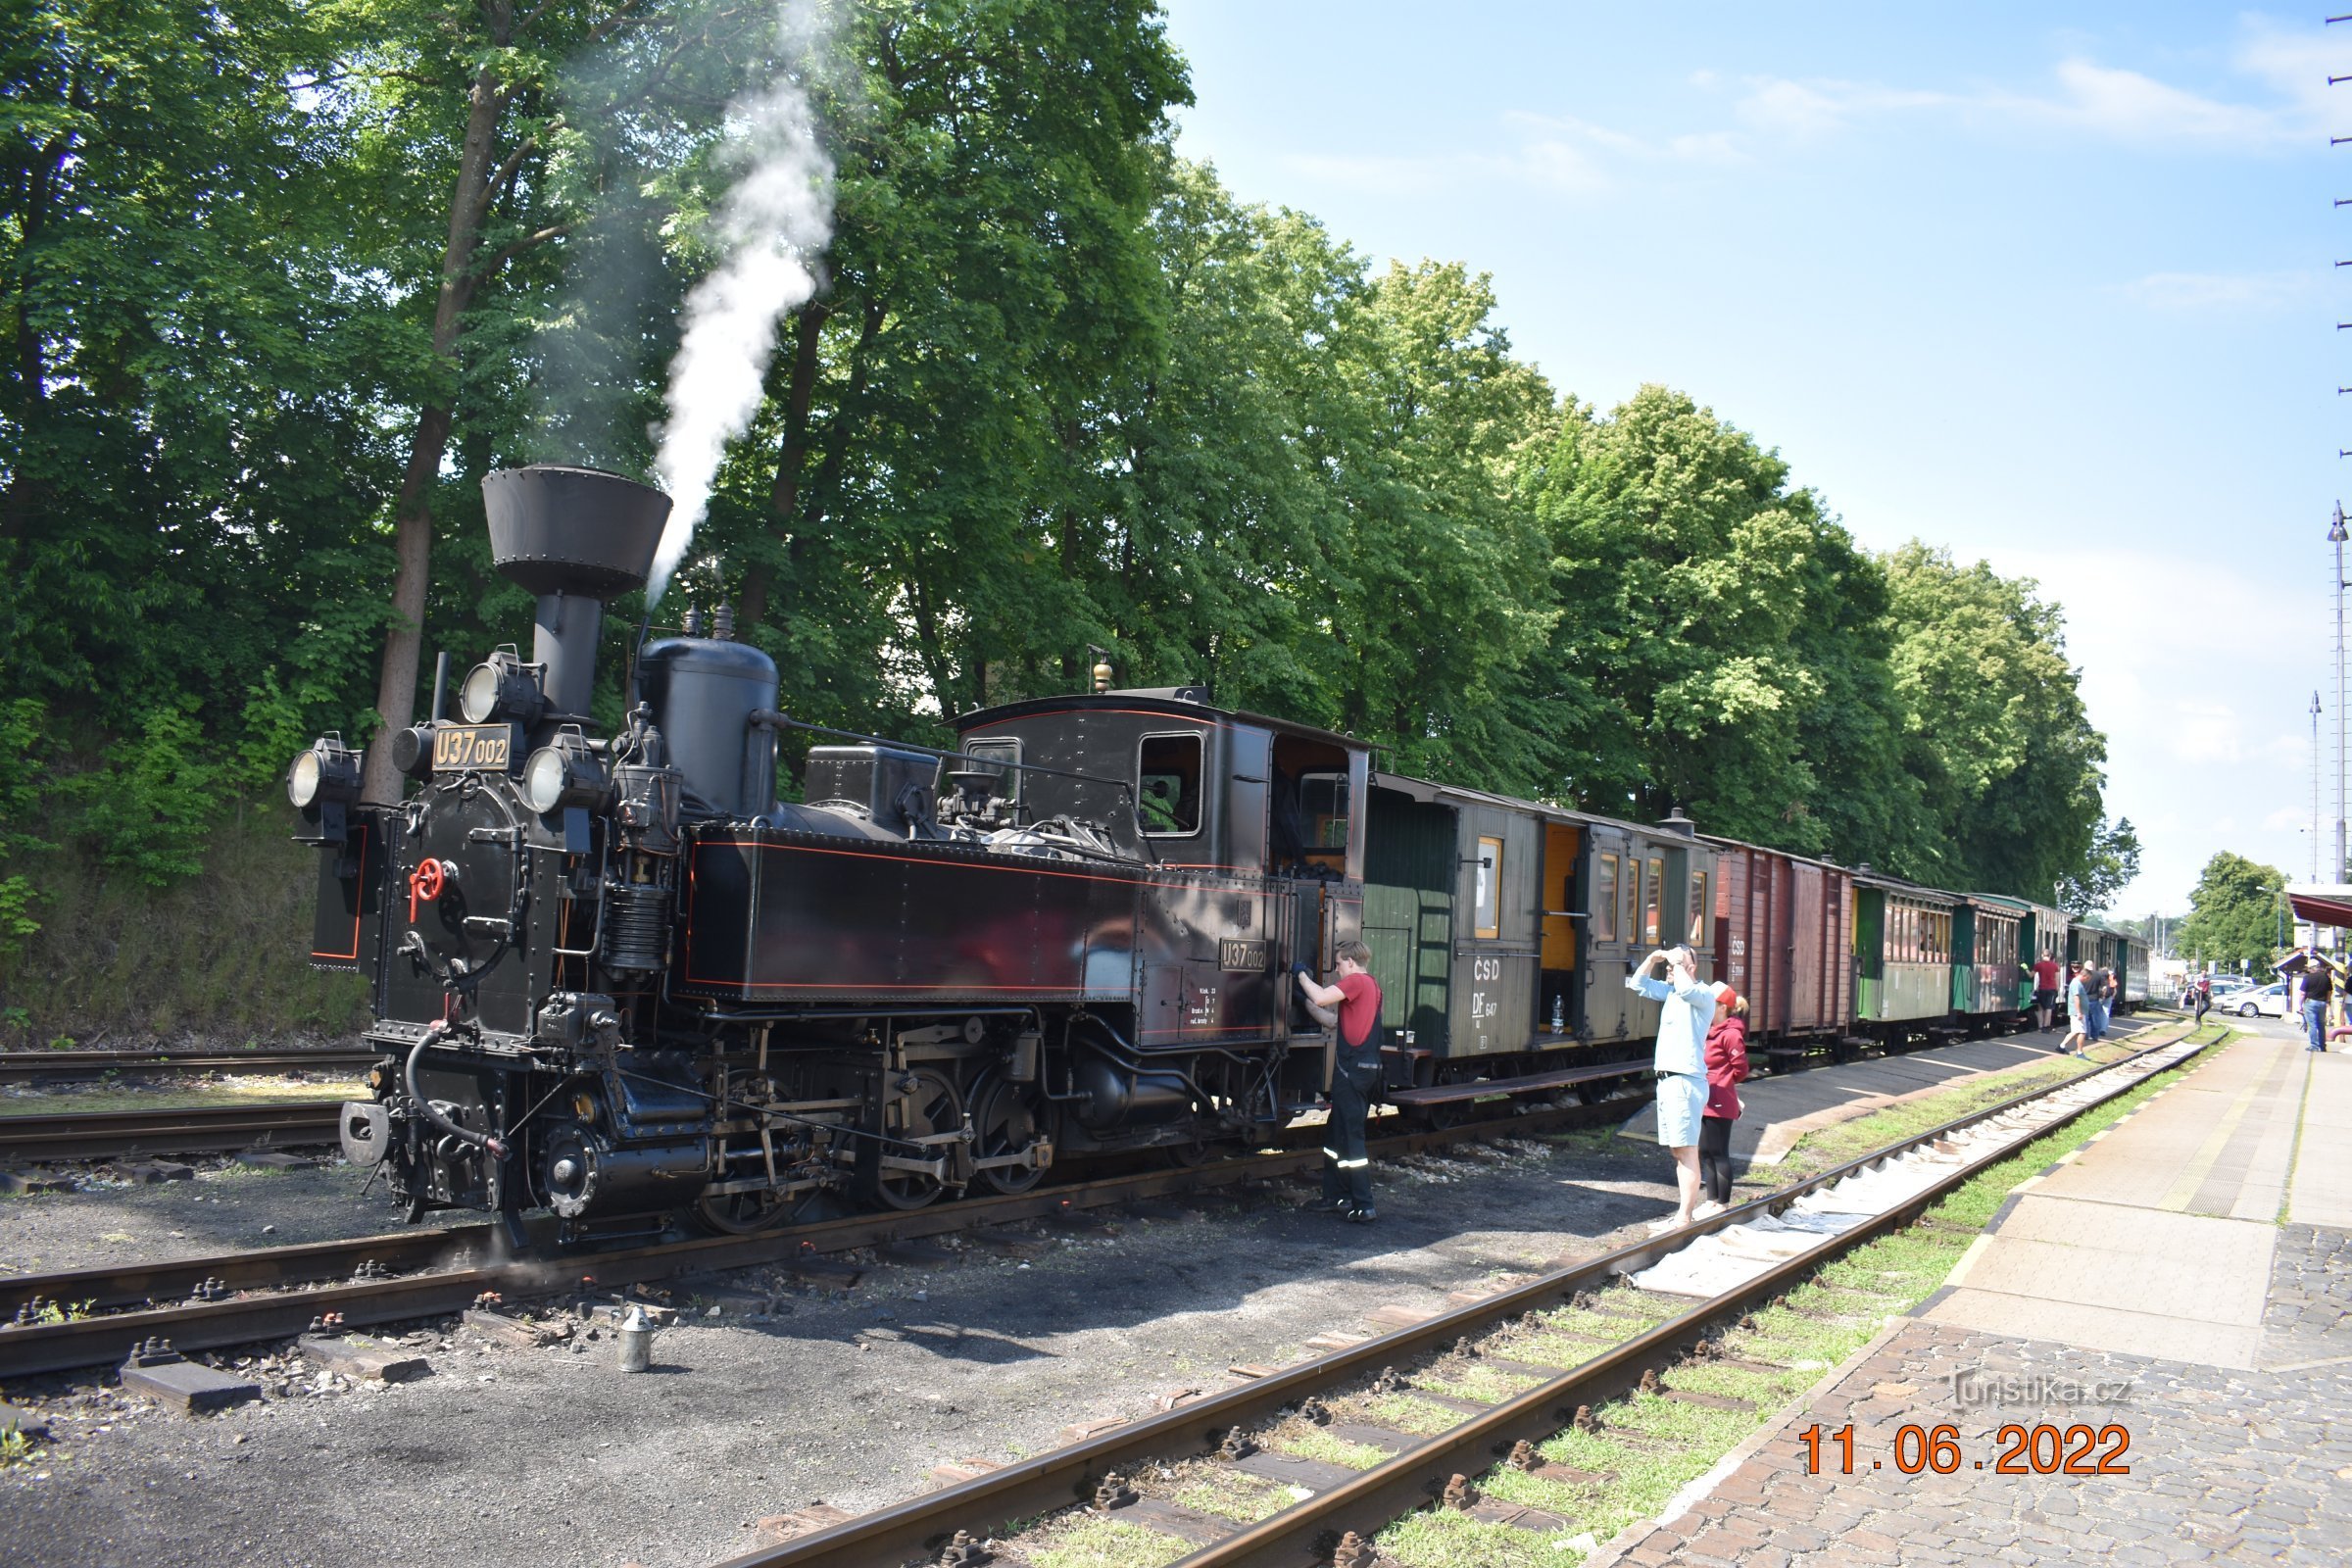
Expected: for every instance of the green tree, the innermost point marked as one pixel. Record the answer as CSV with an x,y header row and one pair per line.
x,y
2232,914
1711,622
492,135
1994,729
188,432
2106,870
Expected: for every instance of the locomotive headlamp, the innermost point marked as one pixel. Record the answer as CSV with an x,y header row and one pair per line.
x,y
565,773
501,684
328,771
321,782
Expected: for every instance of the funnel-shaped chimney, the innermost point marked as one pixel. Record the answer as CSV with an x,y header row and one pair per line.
x,y
572,530
576,537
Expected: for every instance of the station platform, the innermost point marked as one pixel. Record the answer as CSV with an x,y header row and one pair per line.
x,y
2179,1287
1778,1110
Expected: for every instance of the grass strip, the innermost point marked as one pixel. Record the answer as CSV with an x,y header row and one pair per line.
x,y
1652,1447
1834,1145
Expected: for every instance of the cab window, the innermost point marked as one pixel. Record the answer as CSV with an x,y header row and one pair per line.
x,y
1001,755
1323,809
1167,786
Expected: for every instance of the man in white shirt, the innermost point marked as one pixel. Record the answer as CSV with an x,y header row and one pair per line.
x,y
1681,1066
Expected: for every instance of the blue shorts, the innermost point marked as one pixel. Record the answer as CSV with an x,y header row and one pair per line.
x,y
1682,1101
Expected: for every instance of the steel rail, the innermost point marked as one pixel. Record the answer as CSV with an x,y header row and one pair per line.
x,y
1064,1477
466,1260
106,1134
28,1065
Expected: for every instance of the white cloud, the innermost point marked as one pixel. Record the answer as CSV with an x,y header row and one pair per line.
x,y
2288,70
1555,153
2185,292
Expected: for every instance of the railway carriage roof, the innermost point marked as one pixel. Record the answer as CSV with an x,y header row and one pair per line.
x,y
1909,890
1429,792
1172,701
2003,901
1786,855
2106,930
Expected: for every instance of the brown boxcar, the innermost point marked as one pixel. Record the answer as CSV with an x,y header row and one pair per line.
x,y
1782,925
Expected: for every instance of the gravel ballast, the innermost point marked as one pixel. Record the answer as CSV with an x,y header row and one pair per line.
x,y
552,1456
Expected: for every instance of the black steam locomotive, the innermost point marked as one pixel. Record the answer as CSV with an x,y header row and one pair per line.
x,y
616,979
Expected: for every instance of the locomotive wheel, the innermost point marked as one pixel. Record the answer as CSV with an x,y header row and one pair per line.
x,y
742,1213
931,1105
1004,1121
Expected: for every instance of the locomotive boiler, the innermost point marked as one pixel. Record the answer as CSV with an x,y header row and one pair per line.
x,y
615,979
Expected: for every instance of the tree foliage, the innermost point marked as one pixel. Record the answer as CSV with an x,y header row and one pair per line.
x,y
2234,913
279,291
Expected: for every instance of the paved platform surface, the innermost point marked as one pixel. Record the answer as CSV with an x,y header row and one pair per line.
x,y
1780,1108
2160,1281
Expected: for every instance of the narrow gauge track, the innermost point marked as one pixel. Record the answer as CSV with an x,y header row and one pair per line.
x,y
112,1134
30,1066
426,1273
1418,1475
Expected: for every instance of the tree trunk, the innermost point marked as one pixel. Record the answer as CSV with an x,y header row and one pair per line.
x,y
22,501
412,513
784,496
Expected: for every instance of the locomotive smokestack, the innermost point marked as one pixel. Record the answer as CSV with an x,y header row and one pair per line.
x,y
576,537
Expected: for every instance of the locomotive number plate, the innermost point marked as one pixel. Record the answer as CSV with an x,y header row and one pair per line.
x,y
459,748
1234,952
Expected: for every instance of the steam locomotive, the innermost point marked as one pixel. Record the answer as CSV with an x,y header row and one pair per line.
x,y
615,979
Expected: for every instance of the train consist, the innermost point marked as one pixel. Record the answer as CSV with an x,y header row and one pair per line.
x,y
615,979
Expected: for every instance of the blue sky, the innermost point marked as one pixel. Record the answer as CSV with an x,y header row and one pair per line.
x,y
2049,284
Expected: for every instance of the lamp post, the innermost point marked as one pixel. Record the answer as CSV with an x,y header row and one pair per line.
x,y
2337,533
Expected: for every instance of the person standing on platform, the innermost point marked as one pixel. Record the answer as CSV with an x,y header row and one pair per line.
x,y
1354,1076
1727,1070
1680,1064
2094,1012
2078,1010
2045,991
2318,985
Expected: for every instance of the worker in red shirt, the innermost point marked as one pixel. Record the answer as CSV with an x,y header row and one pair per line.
x,y
2045,991
1354,1075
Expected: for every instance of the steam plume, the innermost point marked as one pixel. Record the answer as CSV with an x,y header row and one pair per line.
x,y
775,220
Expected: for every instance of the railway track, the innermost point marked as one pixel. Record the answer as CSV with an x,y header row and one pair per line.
x,y
186,1129
1811,1223
275,1293
244,1297
34,1066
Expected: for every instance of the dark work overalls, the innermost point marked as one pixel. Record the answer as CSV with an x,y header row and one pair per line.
x,y
1354,1077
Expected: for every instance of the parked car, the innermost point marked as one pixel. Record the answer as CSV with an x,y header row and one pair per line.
x,y
2269,1000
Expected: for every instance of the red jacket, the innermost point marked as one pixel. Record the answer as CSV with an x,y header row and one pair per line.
x,y
1727,1066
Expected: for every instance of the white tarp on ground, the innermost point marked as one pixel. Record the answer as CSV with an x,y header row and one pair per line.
x,y
1725,1259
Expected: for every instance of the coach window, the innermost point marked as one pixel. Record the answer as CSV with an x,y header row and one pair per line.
x,y
1167,785
1001,756
1699,910
1485,904
1652,892
1604,900
1629,900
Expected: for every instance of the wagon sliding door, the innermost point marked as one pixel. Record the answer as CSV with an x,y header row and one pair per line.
x,y
1495,938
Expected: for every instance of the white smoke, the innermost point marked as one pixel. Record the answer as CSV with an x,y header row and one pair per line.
x,y
772,224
